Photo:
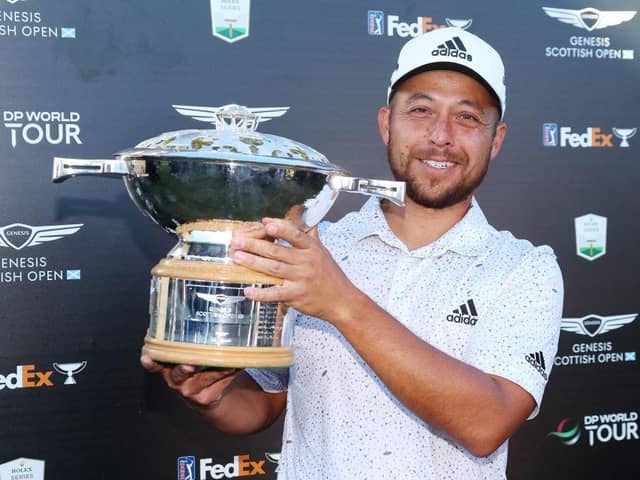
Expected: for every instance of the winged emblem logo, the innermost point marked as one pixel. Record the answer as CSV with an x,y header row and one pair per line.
x,y
220,298
207,114
593,325
20,235
590,18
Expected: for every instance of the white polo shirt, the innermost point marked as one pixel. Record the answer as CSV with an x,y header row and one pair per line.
x,y
482,296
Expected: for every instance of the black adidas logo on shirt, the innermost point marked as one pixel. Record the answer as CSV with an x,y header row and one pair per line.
x,y
452,48
466,314
536,360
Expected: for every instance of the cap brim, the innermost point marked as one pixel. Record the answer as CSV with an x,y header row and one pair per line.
x,y
456,67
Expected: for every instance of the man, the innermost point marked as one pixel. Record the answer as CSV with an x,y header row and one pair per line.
x,y
425,337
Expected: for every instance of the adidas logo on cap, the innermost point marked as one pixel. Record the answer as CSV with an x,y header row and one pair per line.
x,y
466,314
452,48
536,360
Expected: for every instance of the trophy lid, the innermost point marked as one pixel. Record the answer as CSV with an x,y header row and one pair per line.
x,y
234,138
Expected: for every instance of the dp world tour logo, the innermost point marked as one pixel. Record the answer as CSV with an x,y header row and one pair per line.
x,y
567,431
599,428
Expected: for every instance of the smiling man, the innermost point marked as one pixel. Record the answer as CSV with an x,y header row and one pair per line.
x,y
424,337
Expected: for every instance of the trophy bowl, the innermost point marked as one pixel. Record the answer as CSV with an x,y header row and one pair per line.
x,y
201,185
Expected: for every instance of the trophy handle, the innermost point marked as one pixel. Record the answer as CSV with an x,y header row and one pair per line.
x,y
389,189
65,168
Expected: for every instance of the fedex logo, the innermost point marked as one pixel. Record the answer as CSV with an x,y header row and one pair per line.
x,y
26,376
593,137
376,25
242,466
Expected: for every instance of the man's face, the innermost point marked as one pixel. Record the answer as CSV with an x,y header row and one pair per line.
x,y
441,132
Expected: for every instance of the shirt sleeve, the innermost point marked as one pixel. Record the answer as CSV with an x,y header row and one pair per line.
x,y
271,380
521,339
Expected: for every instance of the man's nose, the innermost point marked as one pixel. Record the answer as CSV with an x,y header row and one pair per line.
x,y
440,133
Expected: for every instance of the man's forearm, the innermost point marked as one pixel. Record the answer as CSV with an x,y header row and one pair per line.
x,y
242,407
477,410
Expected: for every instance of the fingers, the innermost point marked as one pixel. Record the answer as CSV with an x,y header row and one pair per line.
x,y
287,231
199,384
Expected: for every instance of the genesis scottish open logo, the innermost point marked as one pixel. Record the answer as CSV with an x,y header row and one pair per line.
x,y
595,352
33,268
31,24
590,47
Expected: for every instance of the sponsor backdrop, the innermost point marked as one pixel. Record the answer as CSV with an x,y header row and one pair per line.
x,y
87,78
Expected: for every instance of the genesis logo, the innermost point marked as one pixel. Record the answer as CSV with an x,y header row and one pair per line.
x,y
20,235
220,298
593,325
589,18
207,114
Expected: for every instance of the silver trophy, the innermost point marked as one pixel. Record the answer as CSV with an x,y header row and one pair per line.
x,y
624,134
201,185
69,369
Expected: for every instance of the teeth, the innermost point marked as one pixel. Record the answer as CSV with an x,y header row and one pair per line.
x,y
434,164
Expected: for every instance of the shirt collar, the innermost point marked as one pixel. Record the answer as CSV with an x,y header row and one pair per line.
x,y
470,236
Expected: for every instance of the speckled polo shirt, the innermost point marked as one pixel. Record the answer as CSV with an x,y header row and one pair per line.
x,y
480,295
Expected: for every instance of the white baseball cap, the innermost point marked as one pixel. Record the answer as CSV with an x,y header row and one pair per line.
x,y
452,49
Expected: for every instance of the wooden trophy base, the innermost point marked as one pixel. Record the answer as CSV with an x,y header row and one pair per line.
x,y
190,295
212,356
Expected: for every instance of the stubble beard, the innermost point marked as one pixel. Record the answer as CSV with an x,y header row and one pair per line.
x,y
424,191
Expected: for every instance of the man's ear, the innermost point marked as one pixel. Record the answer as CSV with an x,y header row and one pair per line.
x,y
498,139
383,124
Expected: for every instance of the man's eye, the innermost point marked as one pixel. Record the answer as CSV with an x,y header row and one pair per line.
x,y
467,117
419,110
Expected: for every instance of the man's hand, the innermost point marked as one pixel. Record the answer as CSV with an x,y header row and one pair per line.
x,y
313,282
200,388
